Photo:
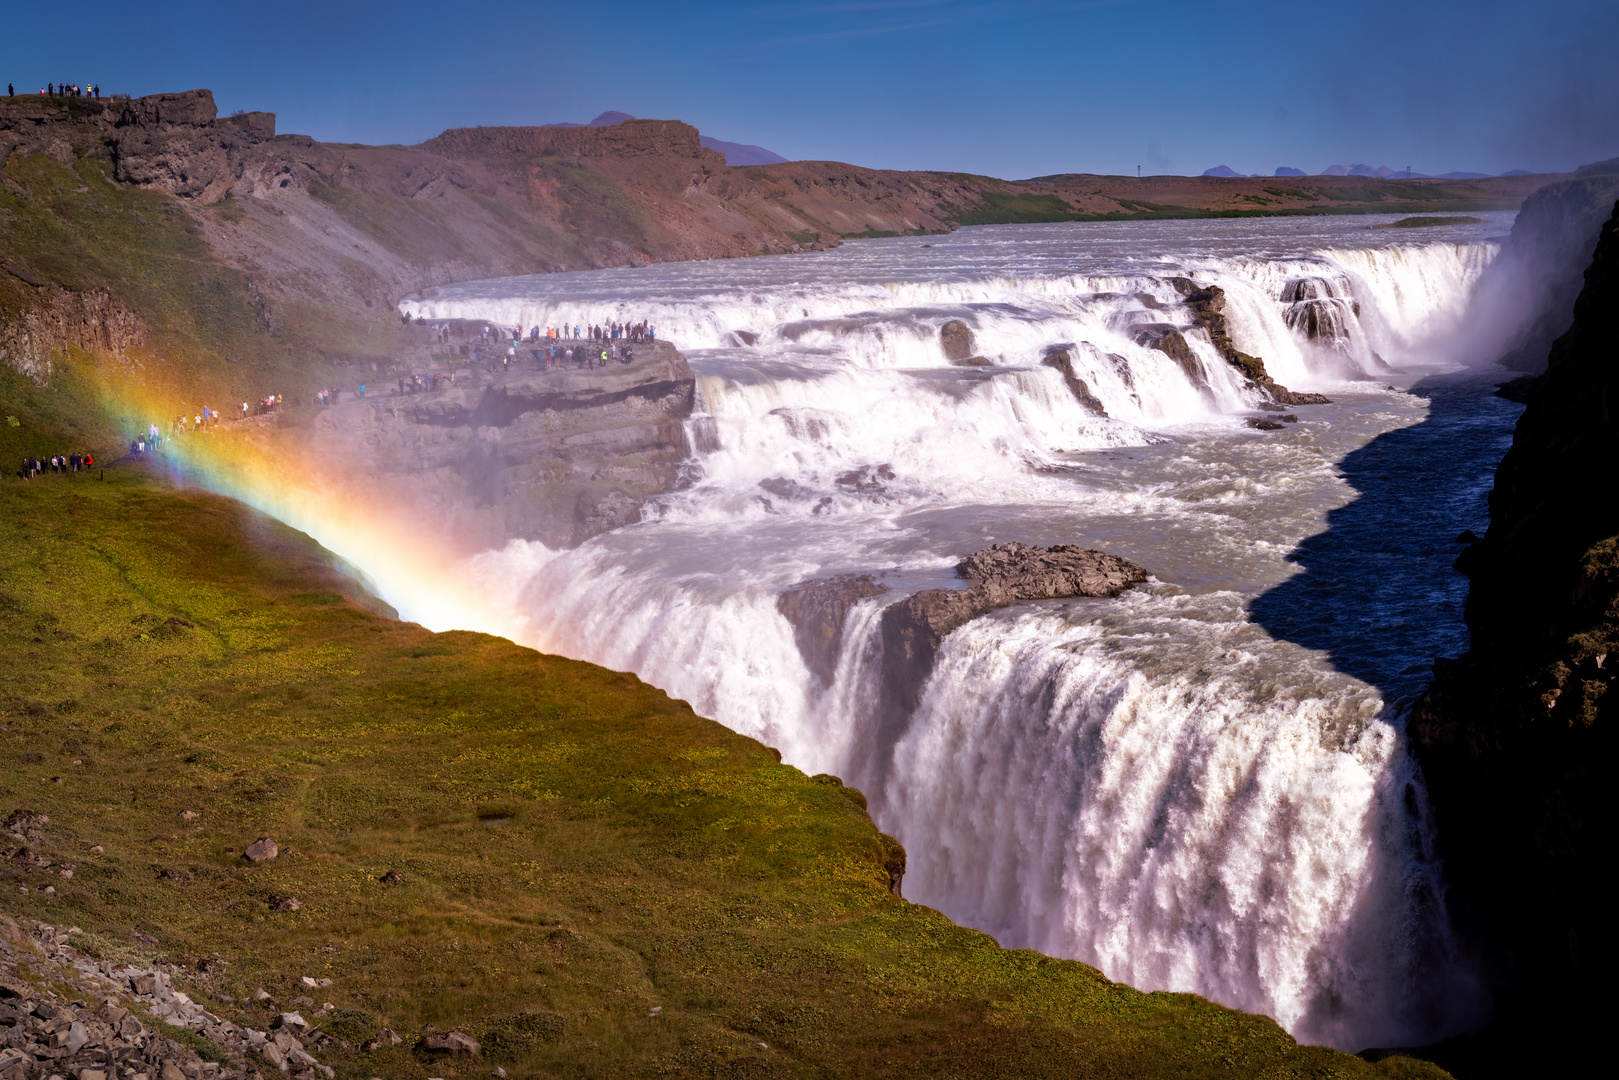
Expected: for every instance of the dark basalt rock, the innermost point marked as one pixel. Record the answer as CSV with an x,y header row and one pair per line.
x,y
1004,574
817,610
1208,311
1515,738
1172,343
1264,425
1520,389
1064,362
957,340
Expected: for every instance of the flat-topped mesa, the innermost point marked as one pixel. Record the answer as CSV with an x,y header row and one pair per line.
x,y
632,138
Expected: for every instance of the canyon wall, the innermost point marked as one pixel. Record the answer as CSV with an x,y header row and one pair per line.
x,y
1516,736
556,456
1541,268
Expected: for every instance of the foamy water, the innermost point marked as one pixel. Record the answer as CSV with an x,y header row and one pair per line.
x,y
1177,786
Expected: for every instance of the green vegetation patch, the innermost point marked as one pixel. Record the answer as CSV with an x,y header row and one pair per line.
x,y
1006,208
554,858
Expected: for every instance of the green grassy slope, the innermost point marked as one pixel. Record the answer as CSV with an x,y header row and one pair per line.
x,y
578,850
207,342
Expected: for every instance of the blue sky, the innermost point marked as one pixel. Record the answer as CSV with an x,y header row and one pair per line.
x,y
1012,88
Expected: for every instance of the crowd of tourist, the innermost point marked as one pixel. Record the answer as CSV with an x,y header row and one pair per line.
x,y
60,464
62,89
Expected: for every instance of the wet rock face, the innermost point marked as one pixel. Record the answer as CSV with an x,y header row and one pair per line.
x,y
554,456
1208,311
1063,361
1004,574
817,611
1530,709
956,338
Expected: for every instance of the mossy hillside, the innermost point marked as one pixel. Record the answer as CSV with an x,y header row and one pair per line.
x,y
578,850
210,340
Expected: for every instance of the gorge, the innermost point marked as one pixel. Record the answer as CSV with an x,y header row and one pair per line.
x,y
1202,784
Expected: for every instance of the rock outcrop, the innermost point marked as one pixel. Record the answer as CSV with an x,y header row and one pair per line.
x,y
59,319
555,456
1207,306
1004,574
817,611
1060,358
1539,272
1516,738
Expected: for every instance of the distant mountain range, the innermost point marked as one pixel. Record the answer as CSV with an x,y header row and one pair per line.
x,y
735,153
1382,172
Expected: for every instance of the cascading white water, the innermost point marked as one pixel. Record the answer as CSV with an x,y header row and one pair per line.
x,y
1155,784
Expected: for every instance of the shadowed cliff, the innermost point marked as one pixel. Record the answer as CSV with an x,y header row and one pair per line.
x,y
1516,736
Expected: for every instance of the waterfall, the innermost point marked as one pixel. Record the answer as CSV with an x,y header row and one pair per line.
x,y
1153,784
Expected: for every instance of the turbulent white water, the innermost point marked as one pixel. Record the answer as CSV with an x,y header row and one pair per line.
x,y
1178,786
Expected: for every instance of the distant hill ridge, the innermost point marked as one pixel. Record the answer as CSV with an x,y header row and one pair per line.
x,y
1382,172
735,153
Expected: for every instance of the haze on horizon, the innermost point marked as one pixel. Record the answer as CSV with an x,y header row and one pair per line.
x,y
1010,88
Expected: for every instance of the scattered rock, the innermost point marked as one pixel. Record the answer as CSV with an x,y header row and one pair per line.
x,y
393,877
303,999
1263,425
262,850
75,1041
867,480
189,815
453,1043
261,994
288,903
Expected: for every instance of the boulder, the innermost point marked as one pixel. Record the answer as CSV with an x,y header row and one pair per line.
x,y
957,340
453,1043
289,1021
262,850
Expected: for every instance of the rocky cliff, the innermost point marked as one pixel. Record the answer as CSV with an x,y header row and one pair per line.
x,y
1516,736
1540,269
555,456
